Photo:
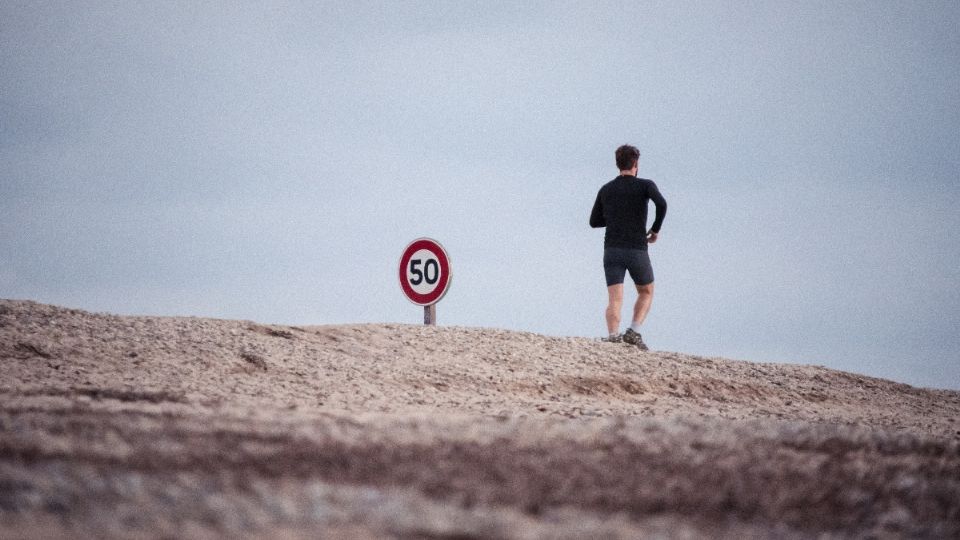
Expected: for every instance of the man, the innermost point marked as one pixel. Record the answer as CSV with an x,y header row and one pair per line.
x,y
621,207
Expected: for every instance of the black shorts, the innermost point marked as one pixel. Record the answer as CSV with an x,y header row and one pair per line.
x,y
617,261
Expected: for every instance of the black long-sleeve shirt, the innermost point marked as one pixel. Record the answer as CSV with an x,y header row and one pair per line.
x,y
621,207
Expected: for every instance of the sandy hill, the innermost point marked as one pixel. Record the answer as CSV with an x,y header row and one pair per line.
x,y
118,426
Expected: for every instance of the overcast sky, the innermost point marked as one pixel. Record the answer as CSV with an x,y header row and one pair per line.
x,y
270,161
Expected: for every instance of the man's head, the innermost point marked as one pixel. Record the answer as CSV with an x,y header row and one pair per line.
x,y
627,157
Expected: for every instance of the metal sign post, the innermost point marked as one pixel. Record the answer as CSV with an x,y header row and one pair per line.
x,y
425,275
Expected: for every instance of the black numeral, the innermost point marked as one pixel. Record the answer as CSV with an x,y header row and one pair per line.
x,y
430,272
431,263
418,279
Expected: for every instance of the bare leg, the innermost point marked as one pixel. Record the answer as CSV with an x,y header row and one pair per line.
x,y
642,307
615,292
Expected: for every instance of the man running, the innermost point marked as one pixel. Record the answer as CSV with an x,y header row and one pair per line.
x,y
621,207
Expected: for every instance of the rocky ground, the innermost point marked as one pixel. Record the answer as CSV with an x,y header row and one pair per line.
x,y
147,427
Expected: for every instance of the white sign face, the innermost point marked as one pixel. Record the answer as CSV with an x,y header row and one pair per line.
x,y
424,271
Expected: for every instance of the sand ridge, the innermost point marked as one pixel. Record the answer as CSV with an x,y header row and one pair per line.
x,y
220,427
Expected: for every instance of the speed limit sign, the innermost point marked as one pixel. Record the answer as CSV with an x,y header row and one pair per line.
x,y
425,274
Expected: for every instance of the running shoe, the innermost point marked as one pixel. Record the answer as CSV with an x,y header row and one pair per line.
x,y
634,338
613,339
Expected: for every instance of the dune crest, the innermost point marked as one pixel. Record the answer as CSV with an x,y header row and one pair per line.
x,y
192,426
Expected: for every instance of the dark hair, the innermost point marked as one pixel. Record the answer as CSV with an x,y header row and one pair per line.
x,y
627,157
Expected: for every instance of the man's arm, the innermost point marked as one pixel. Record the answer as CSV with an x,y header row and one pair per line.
x,y
654,194
596,216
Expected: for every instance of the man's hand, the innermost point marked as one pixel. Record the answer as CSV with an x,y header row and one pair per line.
x,y
651,237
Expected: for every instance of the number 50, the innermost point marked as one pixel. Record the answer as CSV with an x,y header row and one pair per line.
x,y
419,276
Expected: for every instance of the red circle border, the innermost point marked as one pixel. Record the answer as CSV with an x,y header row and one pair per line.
x,y
434,296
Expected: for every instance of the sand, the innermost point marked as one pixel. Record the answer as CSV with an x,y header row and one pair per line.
x,y
149,427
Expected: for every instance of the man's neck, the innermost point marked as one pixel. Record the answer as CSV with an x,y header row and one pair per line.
x,y
631,172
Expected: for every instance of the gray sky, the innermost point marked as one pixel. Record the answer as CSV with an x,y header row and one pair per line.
x,y
270,161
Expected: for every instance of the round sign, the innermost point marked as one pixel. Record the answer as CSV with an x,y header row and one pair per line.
x,y
424,271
